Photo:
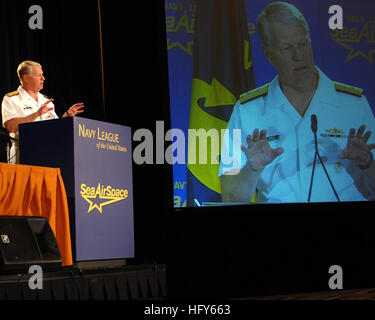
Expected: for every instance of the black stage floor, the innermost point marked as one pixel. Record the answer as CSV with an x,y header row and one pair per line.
x,y
129,283
333,295
140,282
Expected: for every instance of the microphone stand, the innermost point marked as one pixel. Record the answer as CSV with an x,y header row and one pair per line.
x,y
312,176
7,136
8,141
314,129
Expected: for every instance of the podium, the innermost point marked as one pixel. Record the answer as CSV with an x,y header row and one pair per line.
x,y
95,159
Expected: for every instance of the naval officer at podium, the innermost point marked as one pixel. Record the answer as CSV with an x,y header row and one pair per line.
x,y
27,104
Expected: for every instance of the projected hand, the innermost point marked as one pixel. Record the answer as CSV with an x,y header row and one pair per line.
x,y
357,148
258,151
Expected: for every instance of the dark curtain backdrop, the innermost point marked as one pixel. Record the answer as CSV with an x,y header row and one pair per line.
x,y
67,47
136,95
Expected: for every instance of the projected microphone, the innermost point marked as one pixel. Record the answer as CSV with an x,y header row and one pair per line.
x,y
314,129
314,124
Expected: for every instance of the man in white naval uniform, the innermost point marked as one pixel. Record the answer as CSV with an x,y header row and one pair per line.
x,y
275,120
27,104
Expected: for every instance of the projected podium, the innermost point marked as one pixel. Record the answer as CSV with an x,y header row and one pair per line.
x,y
95,159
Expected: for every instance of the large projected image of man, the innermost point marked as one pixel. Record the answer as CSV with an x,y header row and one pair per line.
x,y
275,120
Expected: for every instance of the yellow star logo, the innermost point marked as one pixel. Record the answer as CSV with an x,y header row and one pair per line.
x,y
350,44
94,204
176,44
182,30
98,199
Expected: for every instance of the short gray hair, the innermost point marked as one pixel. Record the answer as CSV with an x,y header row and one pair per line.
x,y
25,67
281,12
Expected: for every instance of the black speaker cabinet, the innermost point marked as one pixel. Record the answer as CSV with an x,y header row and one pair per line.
x,y
26,241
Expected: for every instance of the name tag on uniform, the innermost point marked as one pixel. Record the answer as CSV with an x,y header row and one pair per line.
x,y
26,108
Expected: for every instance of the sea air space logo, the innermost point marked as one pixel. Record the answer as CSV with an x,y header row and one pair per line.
x,y
357,37
102,195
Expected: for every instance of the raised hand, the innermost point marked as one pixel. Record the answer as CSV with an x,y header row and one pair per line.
x,y
75,109
357,148
44,107
258,151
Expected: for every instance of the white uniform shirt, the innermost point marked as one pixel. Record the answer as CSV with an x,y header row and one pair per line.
x,y
21,104
287,178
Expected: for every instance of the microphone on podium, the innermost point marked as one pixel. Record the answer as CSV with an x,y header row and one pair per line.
x,y
314,129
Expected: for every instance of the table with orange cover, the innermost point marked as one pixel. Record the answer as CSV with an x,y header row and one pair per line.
x,y
37,191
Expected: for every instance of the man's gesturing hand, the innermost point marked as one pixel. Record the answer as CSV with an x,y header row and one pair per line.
x,y
258,151
357,148
75,109
44,108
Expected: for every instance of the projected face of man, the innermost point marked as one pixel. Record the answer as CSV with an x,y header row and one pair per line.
x,y
289,50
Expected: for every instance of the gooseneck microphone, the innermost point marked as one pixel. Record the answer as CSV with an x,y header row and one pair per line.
x,y
314,129
314,124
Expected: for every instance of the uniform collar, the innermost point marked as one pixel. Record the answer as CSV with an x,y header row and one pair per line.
x,y
25,94
275,99
325,92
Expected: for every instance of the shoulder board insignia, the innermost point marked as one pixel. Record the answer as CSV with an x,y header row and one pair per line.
x,y
45,96
11,94
339,86
255,93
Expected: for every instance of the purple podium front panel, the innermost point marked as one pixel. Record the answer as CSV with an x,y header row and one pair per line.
x,y
103,181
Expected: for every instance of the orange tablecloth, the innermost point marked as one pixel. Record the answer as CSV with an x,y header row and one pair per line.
x,y
37,191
